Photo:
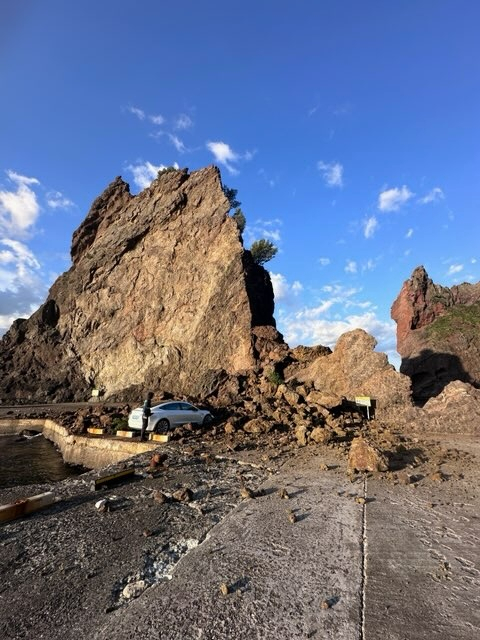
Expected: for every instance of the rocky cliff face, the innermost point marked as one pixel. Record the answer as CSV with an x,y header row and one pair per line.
x,y
161,295
438,333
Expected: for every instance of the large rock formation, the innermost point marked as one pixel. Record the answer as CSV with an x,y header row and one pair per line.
x,y
161,295
355,369
438,333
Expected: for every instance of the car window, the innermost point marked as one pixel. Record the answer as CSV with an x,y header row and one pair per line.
x,y
188,407
170,406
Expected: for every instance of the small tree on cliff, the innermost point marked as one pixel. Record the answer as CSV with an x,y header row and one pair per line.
x,y
240,219
262,251
231,195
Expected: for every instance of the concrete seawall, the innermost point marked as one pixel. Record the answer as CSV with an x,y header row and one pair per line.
x,y
92,453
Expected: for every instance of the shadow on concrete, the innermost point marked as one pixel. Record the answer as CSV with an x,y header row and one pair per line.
x,y
431,371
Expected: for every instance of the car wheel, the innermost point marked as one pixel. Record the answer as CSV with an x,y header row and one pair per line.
x,y
207,420
162,425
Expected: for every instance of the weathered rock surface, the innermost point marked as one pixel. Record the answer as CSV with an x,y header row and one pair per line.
x,y
355,369
161,295
455,410
438,333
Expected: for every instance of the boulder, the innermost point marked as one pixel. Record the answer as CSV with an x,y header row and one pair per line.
x,y
364,456
455,410
355,369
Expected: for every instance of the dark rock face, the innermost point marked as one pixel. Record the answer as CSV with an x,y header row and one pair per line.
x,y
438,333
161,295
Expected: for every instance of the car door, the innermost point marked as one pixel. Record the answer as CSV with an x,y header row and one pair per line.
x,y
189,412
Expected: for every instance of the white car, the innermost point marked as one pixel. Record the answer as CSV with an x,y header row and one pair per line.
x,y
168,415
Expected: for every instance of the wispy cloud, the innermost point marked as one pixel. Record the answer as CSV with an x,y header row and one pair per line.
x,y
145,172
332,173
370,225
261,228
409,233
351,266
156,119
177,143
393,199
434,195
454,268
224,155
19,208
324,261
139,113
183,121
56,200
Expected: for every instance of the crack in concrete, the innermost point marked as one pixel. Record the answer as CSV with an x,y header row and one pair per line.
x,y
363,585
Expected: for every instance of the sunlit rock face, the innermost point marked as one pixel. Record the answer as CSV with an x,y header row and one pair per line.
x,y
161,295
355,369
438,333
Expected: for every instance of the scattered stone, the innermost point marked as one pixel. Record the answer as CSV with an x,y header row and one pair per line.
x,y
301,435
283,494
246,493
134,589
183,495
325,604
360,500
291,516
160,497
224,589
229,428
257,425
103,505
147,533
323,467
438,476
321,435
364,456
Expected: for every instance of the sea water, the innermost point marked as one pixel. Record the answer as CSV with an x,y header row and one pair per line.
x,y
32,460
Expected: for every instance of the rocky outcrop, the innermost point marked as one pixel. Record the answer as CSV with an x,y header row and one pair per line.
x,y
161,295
355,369
455,410
438,333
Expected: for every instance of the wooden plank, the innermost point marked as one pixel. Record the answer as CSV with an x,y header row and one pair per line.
x,y
26,506
95,431
127,434
113,478
158,437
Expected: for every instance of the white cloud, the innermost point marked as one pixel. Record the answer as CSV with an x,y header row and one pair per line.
x,y
56,200
409,233
332,173
351,266
224,155
19,209
370,226
282,289
434,195
177,143
183,122
324,261
21,288
139,113
454,268
156,119
473,261
369,265
393,199
144,173
308,328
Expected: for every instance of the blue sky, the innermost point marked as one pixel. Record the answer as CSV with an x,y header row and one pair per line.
x,y
350,129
